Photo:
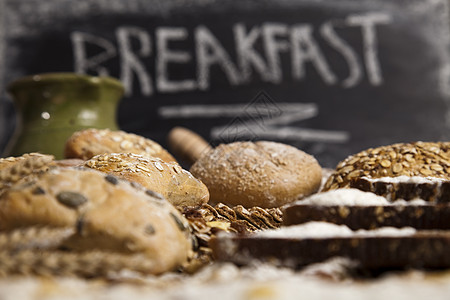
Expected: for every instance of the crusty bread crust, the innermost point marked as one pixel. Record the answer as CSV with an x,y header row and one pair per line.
x,y
87,143
108,214
264,174
21,168
410,159
177,185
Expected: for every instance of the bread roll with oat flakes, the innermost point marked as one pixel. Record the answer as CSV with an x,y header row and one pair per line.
x,y
29,160
20,168
108,214
264,174
87,143
177,185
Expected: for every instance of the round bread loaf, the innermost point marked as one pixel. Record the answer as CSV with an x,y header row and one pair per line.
x,y
87,143
15,169
177,185
22,168
264,174
108,214
427,159
29,163
26,162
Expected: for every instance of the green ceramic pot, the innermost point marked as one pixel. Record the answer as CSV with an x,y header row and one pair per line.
x,y
51,107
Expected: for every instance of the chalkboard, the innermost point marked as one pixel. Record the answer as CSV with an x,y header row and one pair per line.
x,y
331,77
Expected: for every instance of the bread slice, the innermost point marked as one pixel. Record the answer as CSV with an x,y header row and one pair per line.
x,y
365,210
368,217
431,189
383,249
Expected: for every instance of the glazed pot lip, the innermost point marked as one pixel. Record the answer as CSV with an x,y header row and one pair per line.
x,y
57,77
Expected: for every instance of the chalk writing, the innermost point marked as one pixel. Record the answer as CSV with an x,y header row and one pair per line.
x,y
130,62
258,120
298,41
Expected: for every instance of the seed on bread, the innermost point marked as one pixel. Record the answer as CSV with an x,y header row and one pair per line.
x,y
112,179
38,191
149,229
71,199
154,194
180,224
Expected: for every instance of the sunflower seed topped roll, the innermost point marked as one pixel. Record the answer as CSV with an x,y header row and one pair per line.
x,y
425,159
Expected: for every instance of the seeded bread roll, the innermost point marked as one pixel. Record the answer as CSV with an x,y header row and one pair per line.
x,y
264,174
178,186
90,142
410,159
15,169
28,159
108,214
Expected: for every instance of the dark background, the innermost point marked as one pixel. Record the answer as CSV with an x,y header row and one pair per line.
x,y
410,104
